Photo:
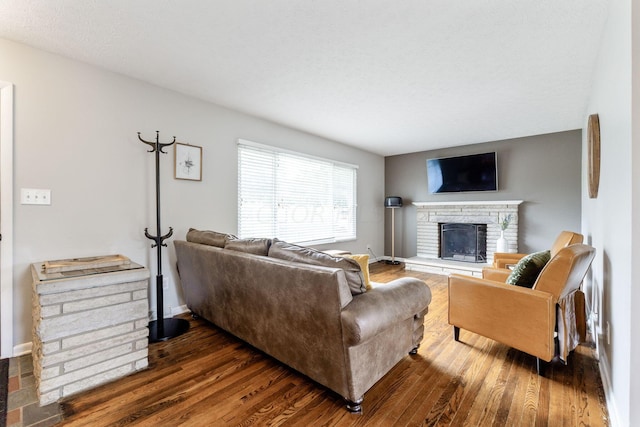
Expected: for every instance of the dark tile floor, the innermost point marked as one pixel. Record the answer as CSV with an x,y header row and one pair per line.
x,y
23,409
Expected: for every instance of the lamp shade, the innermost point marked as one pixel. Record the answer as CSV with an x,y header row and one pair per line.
x,y
393,202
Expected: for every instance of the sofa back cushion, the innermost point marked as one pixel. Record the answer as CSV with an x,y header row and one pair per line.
x,y
251,246
305,255
206,237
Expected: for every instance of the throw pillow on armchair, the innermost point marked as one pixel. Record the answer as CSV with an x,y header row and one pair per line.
x,y
526,271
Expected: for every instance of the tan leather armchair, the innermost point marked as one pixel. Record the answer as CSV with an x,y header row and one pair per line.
x,y
501,260
523,318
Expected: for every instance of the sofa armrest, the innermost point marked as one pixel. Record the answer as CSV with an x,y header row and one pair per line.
x,y
377,309
502,259
519,317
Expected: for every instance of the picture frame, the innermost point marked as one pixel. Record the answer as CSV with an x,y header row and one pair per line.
x,y
593,160
188,162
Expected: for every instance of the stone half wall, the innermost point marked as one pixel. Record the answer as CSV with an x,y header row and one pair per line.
x,y
431,214
88,330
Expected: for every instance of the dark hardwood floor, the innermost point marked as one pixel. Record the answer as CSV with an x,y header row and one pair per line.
x,y
209,378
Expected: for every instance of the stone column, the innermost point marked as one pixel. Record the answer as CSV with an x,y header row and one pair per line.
x,y
88,328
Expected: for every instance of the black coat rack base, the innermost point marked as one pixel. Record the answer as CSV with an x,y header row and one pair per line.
x,y
170,327
161,329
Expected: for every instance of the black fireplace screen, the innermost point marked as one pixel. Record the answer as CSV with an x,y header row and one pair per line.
x,y
463,242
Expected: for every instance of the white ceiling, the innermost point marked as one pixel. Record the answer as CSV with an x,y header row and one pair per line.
x,y
388,76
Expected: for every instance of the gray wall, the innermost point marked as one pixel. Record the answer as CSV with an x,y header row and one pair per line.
x,y
544,171
75,133
611,222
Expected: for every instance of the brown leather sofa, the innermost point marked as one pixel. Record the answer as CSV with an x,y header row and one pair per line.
x,y
502,260
306,316
524,318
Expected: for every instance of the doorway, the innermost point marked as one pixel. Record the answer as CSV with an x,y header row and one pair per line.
x,y
6,219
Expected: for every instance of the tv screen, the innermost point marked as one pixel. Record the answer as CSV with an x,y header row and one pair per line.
x,y
476,172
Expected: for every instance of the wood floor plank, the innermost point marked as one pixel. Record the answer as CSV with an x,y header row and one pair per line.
x,y
231,393
435,382
208,377
542,409
470,382
531,397
447,387
516,409
477,414
592,407
161,396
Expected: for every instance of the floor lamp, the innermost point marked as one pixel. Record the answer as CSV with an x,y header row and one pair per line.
x,y
393,203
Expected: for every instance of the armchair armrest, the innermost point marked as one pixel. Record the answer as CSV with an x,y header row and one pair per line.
x,y
501,259
377,309
519,317
496,274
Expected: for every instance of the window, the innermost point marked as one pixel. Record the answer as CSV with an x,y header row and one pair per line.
x,y
294,197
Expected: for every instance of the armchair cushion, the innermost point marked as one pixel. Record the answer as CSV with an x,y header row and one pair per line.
x,y
528,268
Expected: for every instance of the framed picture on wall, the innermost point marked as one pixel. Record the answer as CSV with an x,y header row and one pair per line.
x,y
188,160
593,139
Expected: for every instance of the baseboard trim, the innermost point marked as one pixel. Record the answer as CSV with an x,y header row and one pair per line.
x,y
605,375
179,310
22,349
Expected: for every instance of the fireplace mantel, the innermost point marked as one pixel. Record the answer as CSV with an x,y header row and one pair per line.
x,y
469,203
431,214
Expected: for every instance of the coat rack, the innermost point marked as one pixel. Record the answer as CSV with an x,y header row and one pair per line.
x,y
161,329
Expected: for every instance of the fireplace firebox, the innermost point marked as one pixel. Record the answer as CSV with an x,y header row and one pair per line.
x,y
463,242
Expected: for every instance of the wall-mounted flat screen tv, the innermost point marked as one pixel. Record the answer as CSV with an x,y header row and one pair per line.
x,y
476,172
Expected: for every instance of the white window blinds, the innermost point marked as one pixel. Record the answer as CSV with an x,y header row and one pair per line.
x,y
293,197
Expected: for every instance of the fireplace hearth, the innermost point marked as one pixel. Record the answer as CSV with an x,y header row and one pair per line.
x,y
463,242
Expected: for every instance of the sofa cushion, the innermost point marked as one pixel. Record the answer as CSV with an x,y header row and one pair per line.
x,y
363,261
526,271
305,255
206,237
252,246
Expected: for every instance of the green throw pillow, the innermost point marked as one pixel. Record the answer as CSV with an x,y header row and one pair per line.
x,y
528,268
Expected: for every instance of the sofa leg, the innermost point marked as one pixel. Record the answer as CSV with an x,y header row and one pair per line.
x,y
414,350
355,406
456,333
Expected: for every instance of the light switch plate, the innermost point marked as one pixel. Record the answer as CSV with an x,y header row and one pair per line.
x,y
35,196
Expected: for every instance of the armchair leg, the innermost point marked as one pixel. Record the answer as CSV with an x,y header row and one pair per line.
x,y
540,366
456,333
414,350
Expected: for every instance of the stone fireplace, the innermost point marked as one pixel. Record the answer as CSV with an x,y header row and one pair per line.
x,y
430,215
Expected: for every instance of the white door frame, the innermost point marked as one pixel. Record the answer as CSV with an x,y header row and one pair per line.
x,y
6,219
